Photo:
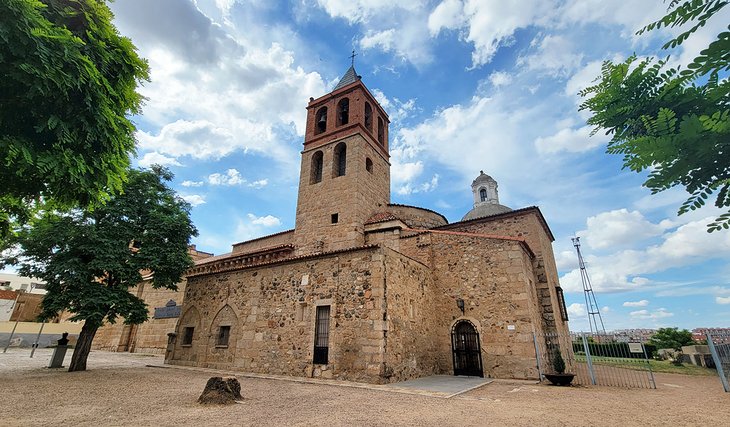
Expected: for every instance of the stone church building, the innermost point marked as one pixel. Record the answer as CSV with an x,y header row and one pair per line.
x,y
367,290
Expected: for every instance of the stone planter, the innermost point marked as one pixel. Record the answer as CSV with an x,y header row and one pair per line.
x,y
560,379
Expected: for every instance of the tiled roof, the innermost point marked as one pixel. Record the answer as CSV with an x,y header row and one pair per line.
x,y
519,240
349,78
7,294
381,217
515,212
200,270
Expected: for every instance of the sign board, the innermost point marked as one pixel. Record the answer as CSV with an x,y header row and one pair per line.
x,y
169,311
636,347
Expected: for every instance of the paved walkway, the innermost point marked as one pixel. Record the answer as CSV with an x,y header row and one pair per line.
x,y
447,385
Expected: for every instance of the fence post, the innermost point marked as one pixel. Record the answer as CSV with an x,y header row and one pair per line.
x,y
588,359
718,363
648,364
537,355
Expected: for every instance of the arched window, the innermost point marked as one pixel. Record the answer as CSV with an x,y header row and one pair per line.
x,y
340,160
343,111
320,120
381,131
483,195
368,165
316,171
368,116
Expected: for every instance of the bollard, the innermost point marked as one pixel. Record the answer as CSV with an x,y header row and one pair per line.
x,y
59,352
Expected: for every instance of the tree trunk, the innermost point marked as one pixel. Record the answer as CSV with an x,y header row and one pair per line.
x,y
83,347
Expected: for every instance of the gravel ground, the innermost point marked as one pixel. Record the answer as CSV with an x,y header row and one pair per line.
x,y
118,389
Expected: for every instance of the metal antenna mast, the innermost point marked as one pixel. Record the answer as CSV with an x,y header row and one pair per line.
x,y
594,311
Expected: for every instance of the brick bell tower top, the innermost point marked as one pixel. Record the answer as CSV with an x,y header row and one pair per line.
x,y
349,108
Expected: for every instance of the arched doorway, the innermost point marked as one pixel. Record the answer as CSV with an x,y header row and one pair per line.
x,y
466,349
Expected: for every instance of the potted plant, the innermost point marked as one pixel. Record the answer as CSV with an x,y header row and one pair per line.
x,y
559,377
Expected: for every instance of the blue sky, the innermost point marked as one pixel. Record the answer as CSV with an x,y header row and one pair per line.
x,y
469,86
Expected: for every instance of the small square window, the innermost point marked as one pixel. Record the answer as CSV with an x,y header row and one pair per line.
x,y
188,336
335,218
224,332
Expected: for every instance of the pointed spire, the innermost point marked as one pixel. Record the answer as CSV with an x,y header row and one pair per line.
x,y
349,77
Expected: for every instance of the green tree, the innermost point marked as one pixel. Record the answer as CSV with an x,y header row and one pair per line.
x,y
90,258
673,122
68,85
671,338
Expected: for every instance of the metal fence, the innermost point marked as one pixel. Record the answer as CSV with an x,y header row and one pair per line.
x,y
719,344
596,360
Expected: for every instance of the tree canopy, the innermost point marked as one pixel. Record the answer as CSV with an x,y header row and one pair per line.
x,y
68,85
673,122
673,338
90,258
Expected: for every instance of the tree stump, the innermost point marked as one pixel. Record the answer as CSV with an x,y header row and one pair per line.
x,y
221,391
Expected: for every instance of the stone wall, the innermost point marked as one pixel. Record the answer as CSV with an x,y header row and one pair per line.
x,y
354,197
528,224
496,280
417,341
277,239
271,309
416,217
148,337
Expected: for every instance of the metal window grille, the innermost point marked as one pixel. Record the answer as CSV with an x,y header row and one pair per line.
x,y
321,335
223,334
188,337
561,302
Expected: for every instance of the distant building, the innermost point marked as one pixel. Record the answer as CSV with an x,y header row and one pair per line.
x,y
719,335
633,335
13,282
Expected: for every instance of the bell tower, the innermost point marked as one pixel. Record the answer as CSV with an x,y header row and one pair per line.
x,y
345,171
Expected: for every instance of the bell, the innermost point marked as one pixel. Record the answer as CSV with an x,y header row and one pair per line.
x,y
322,120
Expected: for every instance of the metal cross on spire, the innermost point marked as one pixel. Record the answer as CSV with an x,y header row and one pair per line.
x,y
352,57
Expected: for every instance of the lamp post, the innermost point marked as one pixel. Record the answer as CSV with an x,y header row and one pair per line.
x,y
460,304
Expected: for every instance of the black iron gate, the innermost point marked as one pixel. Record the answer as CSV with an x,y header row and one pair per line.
x,y
466,348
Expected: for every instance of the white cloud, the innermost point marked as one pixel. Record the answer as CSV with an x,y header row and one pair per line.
x,y
397,109
364,10
570,140
397,27
231,177
689,244
155,158
500,78
722,300
382,39
577,310
488,24
618,228
266,221
194,199
448,14
216,89
642,303
192,183
259,184
405,172
554,56
424,187
653,315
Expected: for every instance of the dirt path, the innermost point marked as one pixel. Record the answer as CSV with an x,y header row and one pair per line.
x,y
119,390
